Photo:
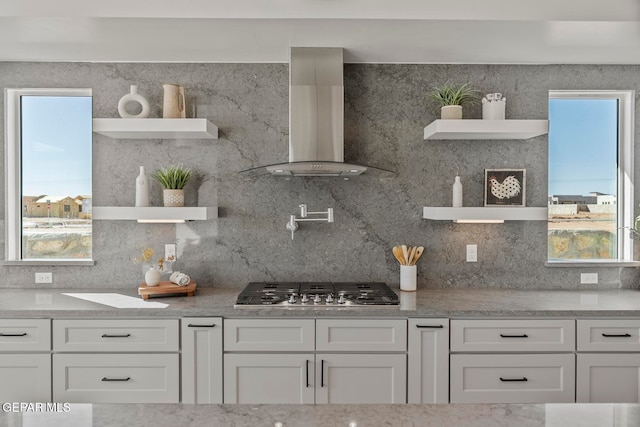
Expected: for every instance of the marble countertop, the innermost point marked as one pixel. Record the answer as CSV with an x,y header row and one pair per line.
x,y
22,303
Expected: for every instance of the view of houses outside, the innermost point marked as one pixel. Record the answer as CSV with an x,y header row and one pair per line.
x,y
583,147
56,177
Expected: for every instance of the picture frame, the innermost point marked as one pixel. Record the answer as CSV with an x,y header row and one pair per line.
x,y
505,187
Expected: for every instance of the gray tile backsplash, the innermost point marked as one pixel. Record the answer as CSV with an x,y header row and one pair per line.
x,y
385,112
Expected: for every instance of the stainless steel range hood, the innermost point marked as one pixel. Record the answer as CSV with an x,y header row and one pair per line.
x,y
316,116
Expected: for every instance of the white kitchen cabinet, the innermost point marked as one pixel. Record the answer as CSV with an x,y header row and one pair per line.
x,y
361,335
269,335
361,378
275,361
266,378
102,335
25,360
116,360
116,378
608,378
608,361
512,378
201,360
25,377
512,335
428,361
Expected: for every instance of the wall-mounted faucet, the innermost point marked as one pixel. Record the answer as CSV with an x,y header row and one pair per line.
x,y
292,225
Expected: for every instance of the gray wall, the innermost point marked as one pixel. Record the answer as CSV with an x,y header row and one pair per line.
x,y
386,111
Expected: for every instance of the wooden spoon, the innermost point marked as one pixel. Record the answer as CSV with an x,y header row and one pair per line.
x,y
397,252
412,255
418,253
405,252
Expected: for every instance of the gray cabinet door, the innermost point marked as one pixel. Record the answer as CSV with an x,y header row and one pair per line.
x,y
202,360
428,361
25,377
608,378
361,378
268,378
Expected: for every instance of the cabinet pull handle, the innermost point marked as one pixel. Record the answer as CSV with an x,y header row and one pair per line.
x,y
617,335
307,363
116,336
322,373
23,334
514,336
200,326
508,380
116,379
430,326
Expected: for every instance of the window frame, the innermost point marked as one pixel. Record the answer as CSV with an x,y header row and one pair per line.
x,y
625,174
13,173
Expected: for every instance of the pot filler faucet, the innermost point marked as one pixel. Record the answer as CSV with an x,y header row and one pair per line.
x,y
292,225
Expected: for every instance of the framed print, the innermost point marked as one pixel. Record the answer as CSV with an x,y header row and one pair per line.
x,y
504,187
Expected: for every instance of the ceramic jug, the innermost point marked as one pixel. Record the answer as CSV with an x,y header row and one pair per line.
x,y
174,103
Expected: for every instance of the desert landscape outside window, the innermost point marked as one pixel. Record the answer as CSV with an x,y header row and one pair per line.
x,y
53,175
588,198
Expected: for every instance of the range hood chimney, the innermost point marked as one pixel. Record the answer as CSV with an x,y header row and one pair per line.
x,y
316,115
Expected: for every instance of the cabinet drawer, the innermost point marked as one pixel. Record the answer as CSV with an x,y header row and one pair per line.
x,y
269,335
512,378
608,378
512,335
25,335
608,335
146,335
361,335
116,378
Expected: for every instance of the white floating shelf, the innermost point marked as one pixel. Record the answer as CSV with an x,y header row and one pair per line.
x,y
155,214
485,214
156,128
486,129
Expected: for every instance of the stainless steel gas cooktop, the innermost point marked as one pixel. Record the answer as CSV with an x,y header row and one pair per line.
x,y
317,294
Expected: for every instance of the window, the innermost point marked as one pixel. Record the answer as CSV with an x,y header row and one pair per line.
x,y
590,176
49,169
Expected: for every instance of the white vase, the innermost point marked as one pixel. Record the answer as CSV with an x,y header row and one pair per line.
x,y
457,192
408,277
152,277
142,189
173,198
451,112
133,96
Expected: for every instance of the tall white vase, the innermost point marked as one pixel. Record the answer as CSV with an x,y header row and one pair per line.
x,y
142,189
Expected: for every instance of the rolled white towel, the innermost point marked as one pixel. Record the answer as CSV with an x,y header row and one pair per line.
x,y
179,279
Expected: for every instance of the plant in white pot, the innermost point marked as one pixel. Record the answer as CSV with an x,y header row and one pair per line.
x,y
452,97
173,179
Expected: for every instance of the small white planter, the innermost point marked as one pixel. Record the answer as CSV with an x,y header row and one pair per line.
x,y
173,198
451,112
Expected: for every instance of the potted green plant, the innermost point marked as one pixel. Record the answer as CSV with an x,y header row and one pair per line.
x,y
451,97
173,179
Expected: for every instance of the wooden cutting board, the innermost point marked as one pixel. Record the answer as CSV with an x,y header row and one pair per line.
x,y
166,288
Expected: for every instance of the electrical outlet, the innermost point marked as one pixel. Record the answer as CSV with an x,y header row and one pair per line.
x,y
588,278
44,277
472,253
170,251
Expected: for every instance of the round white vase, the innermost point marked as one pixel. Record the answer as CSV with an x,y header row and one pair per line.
x,y
133,96
451,112
152,277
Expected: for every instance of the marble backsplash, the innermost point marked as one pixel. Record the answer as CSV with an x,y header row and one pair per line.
x,y
386,111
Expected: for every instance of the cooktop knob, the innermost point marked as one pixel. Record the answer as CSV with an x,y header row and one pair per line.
x,y
292,299
304,298
329,298
341,299
317,299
